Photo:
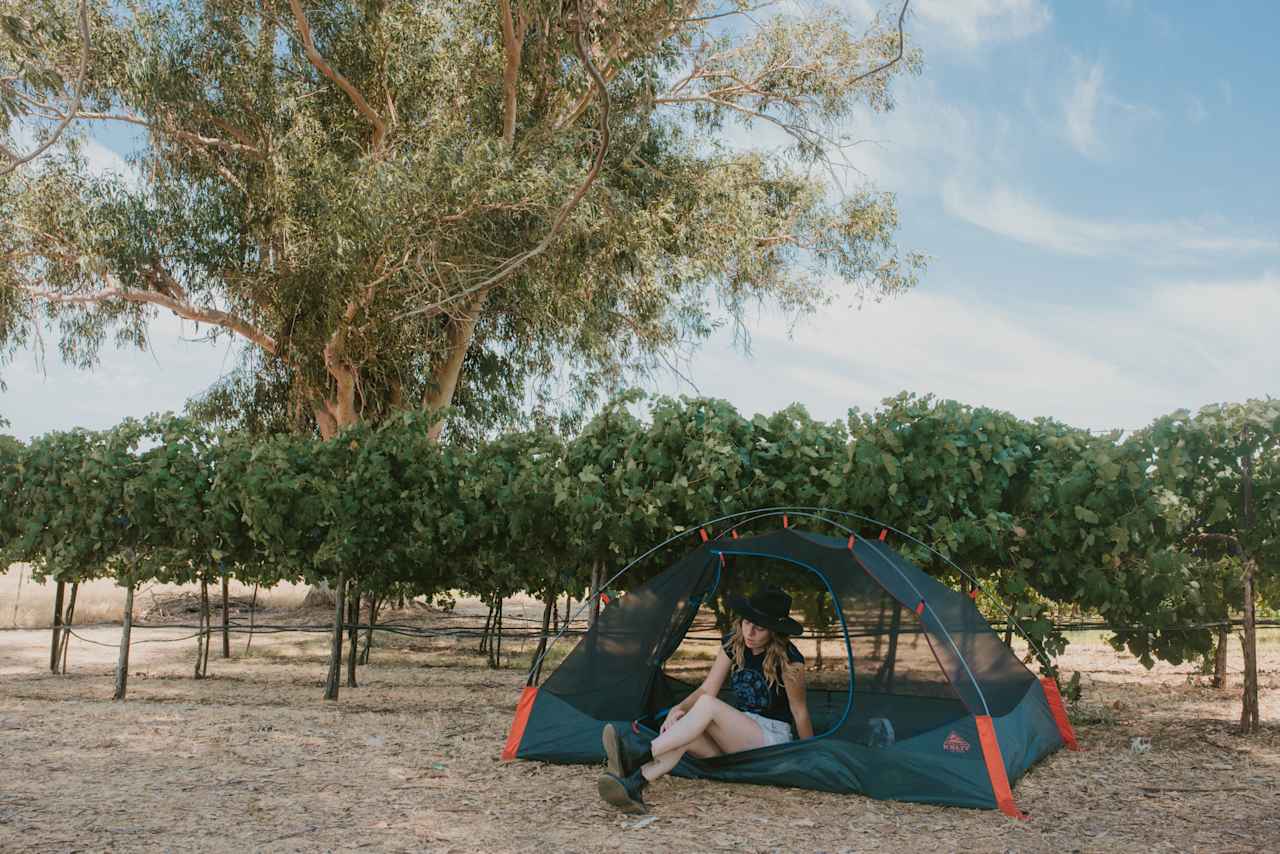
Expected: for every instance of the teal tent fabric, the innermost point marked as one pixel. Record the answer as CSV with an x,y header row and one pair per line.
x,y
920,655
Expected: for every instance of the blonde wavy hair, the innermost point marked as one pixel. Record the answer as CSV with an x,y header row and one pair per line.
x,y
775,653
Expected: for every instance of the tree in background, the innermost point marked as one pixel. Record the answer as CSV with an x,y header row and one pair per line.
x,y
484,205
1221,468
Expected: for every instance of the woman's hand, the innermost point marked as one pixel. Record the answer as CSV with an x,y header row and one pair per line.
x,y
672,716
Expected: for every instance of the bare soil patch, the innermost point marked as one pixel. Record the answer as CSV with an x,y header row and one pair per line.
x,y
253,759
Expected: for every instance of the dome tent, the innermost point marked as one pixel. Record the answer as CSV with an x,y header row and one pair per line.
x,y
966,717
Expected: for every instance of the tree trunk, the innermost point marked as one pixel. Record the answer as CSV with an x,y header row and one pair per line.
x,y
497,657
226,624
335,648
122,664
1249,719
1220,657
878,647
884,675
319,596
484,634
66,624
542,642
54,650
374,604
821,627
253,610
594,613
206,630
17,597
353,631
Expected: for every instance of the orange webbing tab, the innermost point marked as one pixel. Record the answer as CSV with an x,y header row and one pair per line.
x,y
851,542
1054,696
784,520
884,532
973,594
734,533
995,768
920,608
703,532
518,723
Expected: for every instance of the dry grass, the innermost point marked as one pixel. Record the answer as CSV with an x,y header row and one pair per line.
x,y
253,759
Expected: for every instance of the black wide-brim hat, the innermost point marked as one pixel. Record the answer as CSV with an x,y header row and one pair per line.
x,y
769,608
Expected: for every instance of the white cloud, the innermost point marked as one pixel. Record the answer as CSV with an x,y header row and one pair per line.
x,y
102,160
1093,367
1082,112
1007,212
974,22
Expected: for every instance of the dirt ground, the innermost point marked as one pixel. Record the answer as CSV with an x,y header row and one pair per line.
x,y
253,759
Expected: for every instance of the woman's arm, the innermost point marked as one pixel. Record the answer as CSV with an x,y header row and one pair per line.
x,y
793,681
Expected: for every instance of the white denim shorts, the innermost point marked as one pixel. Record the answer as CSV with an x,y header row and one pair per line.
x,y
775,732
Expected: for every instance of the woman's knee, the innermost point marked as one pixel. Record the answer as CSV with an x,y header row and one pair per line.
x,y
706,701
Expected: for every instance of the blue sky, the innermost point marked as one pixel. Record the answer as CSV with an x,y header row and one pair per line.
x,y
1094,183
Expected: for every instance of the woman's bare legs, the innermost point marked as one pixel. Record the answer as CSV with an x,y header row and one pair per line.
x,y
712,727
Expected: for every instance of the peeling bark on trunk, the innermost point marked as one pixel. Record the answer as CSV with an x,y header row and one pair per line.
x,y
445,382
335,647
122,663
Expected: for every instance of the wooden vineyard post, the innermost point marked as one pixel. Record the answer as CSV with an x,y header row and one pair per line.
x,y
122,664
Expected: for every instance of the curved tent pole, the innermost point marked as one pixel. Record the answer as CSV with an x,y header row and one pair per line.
x,y
1008,615
767,512
595,593
764,513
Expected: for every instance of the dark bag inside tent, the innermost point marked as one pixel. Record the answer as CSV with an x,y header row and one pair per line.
x,y
919,699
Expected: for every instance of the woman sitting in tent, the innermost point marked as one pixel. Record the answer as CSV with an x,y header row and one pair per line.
x,y
767,674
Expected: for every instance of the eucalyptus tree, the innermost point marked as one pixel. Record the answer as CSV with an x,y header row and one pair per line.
x,y
410,205
44,68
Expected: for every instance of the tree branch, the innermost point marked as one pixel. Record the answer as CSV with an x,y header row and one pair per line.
x,y
176,304
304,30
509,267
901,15
513,32
81,77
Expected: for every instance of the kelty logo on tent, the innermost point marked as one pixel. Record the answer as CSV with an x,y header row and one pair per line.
x,y
955,743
